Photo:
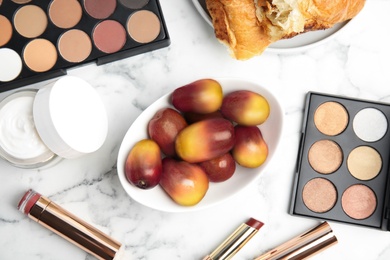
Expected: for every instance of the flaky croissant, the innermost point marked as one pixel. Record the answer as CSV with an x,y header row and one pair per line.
x,y
248,27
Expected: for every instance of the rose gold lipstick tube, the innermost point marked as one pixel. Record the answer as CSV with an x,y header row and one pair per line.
x,y
236,240
304,245
68,226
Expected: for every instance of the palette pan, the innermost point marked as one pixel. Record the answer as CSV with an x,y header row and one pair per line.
x,y
343,164
41,39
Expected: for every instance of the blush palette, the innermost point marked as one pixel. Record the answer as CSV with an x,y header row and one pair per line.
x,y
343,165
41,39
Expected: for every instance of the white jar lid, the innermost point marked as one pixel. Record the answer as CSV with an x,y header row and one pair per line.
x,y
70,117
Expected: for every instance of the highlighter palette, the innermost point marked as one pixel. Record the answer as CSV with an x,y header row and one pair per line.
x,y
41,39
343,164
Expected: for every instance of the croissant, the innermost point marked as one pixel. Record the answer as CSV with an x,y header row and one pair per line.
x,y
248,27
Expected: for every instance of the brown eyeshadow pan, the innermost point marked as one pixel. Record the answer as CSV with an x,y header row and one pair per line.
x,y
65,13
134,4
319,195
81,31
331,118
6,30
75,45
325,156
143,26
30,21
21,1
343,169
100,9
40,55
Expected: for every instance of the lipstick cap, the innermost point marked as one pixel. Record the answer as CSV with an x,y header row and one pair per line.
x,y
303,246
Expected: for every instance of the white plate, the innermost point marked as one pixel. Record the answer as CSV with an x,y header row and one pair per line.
x,y
298,43
156,198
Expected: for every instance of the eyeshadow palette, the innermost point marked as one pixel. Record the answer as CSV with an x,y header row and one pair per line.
x,y
343,164
41,39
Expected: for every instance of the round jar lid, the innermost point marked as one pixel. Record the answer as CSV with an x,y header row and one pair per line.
x,y
70,117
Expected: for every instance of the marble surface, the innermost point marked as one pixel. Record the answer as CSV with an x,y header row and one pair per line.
x,y
355,63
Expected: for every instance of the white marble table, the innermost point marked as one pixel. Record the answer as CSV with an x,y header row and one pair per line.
x,y
355,63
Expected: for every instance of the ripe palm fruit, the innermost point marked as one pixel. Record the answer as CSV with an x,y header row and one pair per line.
x,y
205,140
164,127
184,182
250,149
202,96
143,166
245,107
220,168
195,117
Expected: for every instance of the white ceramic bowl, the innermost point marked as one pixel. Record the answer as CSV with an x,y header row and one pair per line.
x,y
156,198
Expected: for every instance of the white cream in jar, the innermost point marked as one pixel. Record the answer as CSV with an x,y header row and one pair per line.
x,y
19,140
64,119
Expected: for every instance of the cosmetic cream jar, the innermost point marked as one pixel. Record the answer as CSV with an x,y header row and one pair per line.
x,y
65,119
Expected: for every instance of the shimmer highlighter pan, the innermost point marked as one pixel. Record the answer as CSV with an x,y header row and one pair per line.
x,y
41,39
343,165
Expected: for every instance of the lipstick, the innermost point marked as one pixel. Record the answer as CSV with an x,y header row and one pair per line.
x,y
236,240
303,246
68,226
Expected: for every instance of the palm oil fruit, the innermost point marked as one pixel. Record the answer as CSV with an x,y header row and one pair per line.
x,y
202,96
250,149
220,168
164,127
184,182
205,140
195,117
245,107
143,166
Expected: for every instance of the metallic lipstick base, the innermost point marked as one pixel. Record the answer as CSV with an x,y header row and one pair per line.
x,y
304,245
68,226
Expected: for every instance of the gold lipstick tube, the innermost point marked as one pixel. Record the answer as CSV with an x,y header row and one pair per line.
x,y
304,245
236,240
68,226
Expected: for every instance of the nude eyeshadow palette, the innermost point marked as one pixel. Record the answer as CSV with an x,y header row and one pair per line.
x,y
343,163
41,39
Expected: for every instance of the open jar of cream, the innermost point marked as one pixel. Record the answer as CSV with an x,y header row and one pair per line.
x,y
65,119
